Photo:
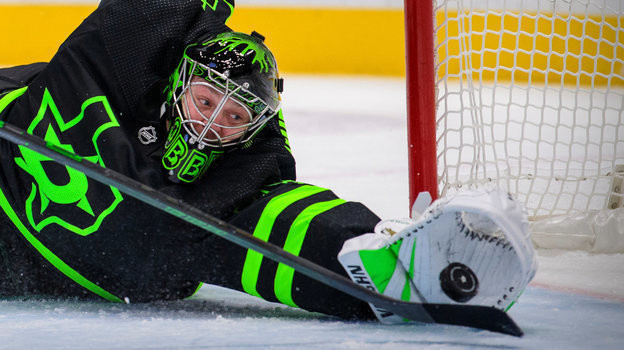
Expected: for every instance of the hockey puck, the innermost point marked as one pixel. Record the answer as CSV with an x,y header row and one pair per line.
x,y
459,282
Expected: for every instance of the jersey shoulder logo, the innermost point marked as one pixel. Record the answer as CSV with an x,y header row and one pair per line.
x,y
147,135
59,194
212,4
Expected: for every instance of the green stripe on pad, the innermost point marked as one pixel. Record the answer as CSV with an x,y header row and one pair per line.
x,y
380,265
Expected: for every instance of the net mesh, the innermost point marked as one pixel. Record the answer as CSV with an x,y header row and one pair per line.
x,y
530,97
533,100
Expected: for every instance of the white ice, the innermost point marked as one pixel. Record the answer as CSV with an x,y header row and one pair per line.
x,y
348,134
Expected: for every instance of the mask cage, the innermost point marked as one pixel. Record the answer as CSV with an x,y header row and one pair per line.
x,y
261,112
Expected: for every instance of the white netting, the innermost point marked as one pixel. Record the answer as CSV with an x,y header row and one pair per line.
x,y
531,97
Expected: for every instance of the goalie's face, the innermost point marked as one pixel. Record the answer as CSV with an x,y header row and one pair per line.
x,y
220,96
213,116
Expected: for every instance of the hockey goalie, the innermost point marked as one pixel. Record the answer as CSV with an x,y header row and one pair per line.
x,y
168,95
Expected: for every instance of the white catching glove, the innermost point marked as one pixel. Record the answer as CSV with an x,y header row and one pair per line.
x,y
469,248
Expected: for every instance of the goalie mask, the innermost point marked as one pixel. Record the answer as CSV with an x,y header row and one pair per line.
x,y
223,92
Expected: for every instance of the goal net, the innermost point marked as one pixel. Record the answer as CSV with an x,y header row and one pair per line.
x,y
529,96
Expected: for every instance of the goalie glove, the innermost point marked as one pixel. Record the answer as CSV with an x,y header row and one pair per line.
x,y
470,248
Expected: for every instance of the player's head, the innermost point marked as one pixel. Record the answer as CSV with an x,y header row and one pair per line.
x,y
224,90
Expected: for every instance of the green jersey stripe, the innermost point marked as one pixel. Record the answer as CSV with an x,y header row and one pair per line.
x,y
282,124
253,260
285,274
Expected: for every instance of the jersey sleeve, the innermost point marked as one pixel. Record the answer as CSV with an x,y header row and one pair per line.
x,y
90,100
129,46
110,73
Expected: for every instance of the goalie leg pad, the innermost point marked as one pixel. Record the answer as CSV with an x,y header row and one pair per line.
x,y
372,264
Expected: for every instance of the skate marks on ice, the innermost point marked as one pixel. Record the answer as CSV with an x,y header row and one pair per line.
x,y
217,318
346,149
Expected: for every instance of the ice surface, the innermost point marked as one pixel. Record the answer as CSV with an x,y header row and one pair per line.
x,y
217,318
348,134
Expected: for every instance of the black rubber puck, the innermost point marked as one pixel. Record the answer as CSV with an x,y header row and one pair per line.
x,y
459,282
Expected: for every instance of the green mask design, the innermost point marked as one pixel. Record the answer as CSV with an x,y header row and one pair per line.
x,y
186,162
231,42
230,69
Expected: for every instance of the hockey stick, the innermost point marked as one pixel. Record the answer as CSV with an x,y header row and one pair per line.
x,y
481,317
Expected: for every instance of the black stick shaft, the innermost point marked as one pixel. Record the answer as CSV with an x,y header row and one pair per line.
x,y
464,315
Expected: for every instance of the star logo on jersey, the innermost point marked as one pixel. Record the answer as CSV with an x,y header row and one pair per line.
x,y
59,194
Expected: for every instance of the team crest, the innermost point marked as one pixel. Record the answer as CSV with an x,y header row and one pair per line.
x,y
59,194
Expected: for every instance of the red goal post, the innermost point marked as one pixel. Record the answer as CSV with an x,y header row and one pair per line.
x,y
420,76
528,98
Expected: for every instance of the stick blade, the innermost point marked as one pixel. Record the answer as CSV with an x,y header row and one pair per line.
x,y
473,316
481,317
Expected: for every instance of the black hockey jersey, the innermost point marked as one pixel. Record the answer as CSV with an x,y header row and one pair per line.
x,y
100,97
101,89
